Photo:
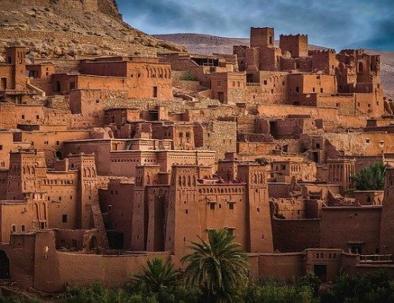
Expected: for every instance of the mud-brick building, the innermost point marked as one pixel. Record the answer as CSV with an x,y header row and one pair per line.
x,y
165,212
141,78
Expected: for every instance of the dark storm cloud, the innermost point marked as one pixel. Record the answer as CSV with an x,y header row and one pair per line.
x,y
334,23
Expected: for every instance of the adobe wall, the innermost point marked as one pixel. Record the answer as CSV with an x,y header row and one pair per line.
x,y
101,149
6,145
110,270
285,110
324,60
6,77
219,136
297,45
255,148
8,118
292,127
117,202
289,208
345,104
370,103
140,80
325,114
362,143
22,222
341,225
91,103
279,190
300,86
330,258
62,190
295,235
50,142
21,267
369,197
288,266
228,88
112,69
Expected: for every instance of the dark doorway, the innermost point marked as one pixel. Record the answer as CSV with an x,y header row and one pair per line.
x,y
93,243
315,157
360,67
321,272
221,97
273,128
115,239
4,266
155,92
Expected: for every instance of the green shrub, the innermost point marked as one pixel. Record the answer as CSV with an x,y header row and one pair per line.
x,y
370,178
370,288
188,76
277,292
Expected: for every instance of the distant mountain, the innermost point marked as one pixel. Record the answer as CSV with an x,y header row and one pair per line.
x,y
207,44
204,44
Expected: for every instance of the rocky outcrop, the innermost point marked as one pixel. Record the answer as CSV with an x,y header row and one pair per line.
x,y
70,29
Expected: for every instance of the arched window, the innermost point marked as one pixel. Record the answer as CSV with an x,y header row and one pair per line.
x,y
184,181
148,179
37,211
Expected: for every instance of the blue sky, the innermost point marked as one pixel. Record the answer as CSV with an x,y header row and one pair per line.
x,y
332,23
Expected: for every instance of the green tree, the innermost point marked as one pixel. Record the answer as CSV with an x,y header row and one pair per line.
x,y
218,267
370,178
369,288
157,276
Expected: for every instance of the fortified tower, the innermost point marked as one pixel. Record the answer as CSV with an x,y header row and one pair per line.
x,y
296,45
145,176
262,37
16,57
183,213
27,167
88,193
258,210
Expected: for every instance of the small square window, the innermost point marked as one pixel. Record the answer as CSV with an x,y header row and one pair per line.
x,y
64,218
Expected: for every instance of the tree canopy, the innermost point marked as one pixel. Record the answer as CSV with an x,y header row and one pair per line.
x,y
370,178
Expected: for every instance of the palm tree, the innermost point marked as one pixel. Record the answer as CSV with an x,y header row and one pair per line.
x,y
158,276
370,178
218,267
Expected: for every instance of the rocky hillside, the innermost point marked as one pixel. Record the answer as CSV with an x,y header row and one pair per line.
x,y
72,29
388,73
206,44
